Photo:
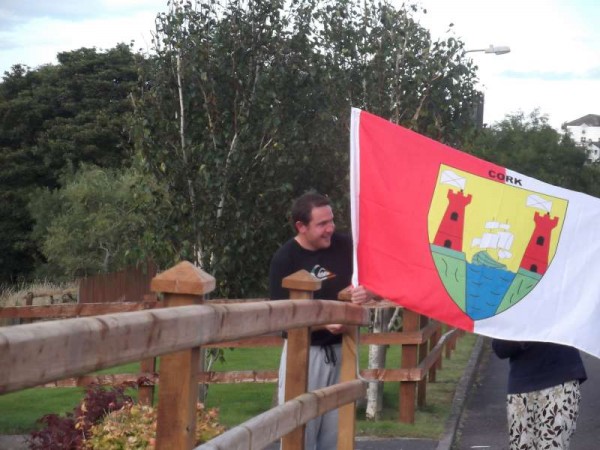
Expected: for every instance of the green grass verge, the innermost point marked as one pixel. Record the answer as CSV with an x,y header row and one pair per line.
x,y
430,419
239,402
20,410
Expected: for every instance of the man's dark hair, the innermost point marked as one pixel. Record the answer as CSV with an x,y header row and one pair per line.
x,y
303,206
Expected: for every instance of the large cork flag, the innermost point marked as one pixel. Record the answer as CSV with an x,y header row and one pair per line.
x,y
470,243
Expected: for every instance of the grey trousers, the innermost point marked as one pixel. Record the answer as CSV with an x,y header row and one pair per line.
x,y
321,433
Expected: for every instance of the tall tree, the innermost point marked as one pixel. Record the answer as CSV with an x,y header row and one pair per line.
x,y
247,104
52,119
528,144
100,221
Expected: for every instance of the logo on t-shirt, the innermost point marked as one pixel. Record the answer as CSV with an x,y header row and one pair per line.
x,y
321,273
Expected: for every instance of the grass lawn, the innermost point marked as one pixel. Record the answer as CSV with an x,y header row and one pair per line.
x,y
239,402
20,410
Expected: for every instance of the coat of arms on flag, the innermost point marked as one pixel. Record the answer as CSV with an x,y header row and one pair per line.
x,y
491,242
471,243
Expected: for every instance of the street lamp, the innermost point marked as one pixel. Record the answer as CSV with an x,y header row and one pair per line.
x,y
496,50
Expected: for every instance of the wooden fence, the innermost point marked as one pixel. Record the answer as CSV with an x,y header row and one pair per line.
x,y
128,285
418,341
45,352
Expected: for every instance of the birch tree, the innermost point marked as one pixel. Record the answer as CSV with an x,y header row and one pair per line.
x,y
246,104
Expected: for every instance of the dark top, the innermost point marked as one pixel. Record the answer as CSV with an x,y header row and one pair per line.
x,y
336,260
539,365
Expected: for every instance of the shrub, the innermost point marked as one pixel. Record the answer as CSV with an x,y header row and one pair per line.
x,y
70,432
134,428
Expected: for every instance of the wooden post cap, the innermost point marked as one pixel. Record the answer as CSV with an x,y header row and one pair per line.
x,y
184,278
301,281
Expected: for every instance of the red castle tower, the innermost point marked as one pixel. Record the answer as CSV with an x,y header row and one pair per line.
x,y
536,254
450,231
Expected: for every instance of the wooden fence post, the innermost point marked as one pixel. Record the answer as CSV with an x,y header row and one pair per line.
x,y
451,344
28,302
410,322
435,338
347,413
181,285
146,390
301,285
423,351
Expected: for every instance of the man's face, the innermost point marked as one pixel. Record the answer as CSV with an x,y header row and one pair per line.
x,y
317,233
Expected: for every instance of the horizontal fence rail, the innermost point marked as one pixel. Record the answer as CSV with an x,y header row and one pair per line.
x,y
271,425
269,376
70,310
63,349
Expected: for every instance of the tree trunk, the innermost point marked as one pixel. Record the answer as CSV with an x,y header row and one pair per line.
x,y
377,355
186,158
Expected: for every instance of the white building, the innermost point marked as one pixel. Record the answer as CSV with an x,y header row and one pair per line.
x,y
586,131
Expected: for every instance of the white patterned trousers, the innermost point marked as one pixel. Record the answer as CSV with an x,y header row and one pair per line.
x,y
545,419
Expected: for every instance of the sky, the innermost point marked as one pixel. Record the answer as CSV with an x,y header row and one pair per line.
x,y
553,66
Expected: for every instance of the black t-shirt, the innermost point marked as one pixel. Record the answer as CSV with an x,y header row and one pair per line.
x,y
336,260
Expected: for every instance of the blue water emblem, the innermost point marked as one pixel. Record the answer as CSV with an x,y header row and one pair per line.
x,y
485,289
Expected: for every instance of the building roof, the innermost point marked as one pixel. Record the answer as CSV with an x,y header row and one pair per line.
x,y
591,120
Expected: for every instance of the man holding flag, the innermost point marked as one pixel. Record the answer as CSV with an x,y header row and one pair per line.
x,y
327,255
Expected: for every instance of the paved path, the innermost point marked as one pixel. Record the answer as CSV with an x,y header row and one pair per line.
x,y
484,425
13,442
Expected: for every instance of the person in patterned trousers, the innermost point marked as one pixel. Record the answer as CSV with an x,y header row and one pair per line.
x,y
543,393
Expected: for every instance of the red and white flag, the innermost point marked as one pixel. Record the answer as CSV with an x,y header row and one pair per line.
x,y
470,243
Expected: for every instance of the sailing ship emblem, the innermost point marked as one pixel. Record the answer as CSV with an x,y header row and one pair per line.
x,y
491,242
497,237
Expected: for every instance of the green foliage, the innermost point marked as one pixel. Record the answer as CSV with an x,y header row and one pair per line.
x,y
51,120
134,427
108,418
247,104
100,221
527,144
243,106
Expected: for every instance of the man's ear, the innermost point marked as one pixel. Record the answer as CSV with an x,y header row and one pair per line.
x,y
300,226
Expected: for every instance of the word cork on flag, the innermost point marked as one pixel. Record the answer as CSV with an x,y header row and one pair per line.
x,y
470,243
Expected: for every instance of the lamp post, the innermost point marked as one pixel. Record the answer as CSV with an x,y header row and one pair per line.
x,y
496,50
